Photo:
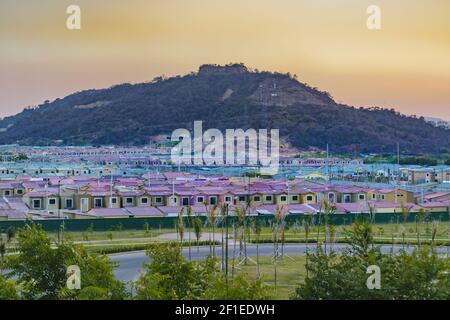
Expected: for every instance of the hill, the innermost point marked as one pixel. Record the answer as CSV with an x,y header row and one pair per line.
x,y
230,96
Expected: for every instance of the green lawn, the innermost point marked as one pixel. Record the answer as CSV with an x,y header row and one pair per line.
x,y
290,272
380,231
383,233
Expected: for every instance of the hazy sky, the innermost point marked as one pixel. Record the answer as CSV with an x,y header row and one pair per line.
x,y
405,65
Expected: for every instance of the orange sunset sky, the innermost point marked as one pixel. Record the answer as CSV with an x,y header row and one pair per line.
x,y
405,65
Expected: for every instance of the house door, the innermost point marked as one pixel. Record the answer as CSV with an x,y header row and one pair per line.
x,y
84,204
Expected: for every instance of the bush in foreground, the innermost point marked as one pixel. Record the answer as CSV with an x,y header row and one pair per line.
x,y
170,276
419,275
40,269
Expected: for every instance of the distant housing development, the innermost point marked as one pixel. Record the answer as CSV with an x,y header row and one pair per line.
x,y
164,194
78,183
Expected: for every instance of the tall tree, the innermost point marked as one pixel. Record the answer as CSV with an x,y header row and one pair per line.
x,y
40,268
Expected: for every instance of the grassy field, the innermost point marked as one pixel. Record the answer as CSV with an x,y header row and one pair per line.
x,y
380,230
290,272
129,240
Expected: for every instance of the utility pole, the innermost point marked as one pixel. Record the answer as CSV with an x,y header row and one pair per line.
x,y
287,187
328,165
398,173
226,247
61,225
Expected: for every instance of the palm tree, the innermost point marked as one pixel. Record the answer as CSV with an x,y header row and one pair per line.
x,y
280,218
433,233
257,231
180,226
198,224
276,227
380,232
240,214
275,251
234,246
307,225
402,231
212,218
246,226
371,212
421,218
190,223
405,212
10,233
328,210
223,217
2,249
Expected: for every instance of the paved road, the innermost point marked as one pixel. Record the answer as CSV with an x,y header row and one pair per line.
x,y
130,264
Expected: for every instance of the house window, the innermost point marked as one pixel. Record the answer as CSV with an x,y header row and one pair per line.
x,y
19,191
69,203
98,202
241,198
294,198
227,199
173,199
374,196
268,198
362,197
212,200
382,197
185,201
52,201
331,197
283,198
36,204
158,200
200,200
128,200
113,200
7,193
309,198
144,200
256,198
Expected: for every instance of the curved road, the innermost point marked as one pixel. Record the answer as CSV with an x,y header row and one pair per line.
x,y
131,264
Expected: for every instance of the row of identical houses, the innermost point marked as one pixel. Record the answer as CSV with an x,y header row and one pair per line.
x,y
167,193
104,195
155,192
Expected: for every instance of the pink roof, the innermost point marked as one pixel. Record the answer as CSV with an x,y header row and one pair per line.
x,y
100,193
186,192
176,209
144,211
434,204
131,193
108,212
361,207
